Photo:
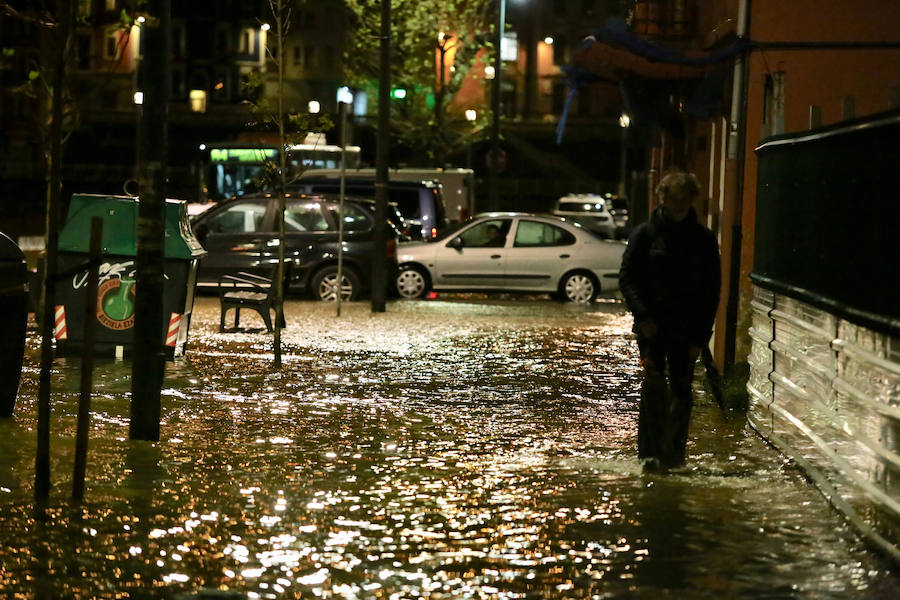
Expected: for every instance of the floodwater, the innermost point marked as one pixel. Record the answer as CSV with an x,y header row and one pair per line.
x,y
453,448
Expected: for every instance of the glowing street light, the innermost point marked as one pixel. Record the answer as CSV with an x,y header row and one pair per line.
x,y
548,40
314,106
471,115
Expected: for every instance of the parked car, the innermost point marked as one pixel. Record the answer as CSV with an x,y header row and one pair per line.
x,y
619,212
241,235
590,210
420,203
512,252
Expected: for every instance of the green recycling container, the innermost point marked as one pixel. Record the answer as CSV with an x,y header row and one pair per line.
x,y
114,313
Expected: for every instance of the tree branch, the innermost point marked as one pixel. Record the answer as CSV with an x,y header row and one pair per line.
x,y
43,19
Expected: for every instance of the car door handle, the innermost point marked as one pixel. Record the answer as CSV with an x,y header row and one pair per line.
x,y
496,255
564,256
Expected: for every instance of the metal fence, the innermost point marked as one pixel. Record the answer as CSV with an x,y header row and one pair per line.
x,y
826,392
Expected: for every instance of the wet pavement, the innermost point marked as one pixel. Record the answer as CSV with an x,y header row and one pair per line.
x,y
453,448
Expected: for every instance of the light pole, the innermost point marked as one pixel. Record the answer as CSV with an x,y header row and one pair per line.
x,y
624,122
471,115
495,108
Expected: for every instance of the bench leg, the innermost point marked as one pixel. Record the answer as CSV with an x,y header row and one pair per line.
x,y
237,316
264,313
222,311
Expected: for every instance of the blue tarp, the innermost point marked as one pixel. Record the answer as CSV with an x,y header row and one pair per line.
x,y
645,98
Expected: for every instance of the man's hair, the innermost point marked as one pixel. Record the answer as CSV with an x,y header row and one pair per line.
x,y
678,184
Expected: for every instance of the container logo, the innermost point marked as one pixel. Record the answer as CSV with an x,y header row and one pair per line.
x,y
115,304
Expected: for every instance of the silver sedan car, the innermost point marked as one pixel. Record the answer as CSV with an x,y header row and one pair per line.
x,y
512,252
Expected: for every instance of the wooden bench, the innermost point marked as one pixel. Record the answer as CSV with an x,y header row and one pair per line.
x,y
247,290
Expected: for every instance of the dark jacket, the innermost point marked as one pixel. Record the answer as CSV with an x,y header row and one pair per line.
x,y
670,274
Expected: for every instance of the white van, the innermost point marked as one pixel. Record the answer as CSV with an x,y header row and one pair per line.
x,y
589,210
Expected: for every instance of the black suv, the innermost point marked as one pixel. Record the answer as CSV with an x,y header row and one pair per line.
x,y
420,203
241,235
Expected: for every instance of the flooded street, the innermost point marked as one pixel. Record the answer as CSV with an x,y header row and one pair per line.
x,y
452,448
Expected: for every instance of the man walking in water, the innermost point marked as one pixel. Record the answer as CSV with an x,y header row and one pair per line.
x,y
670,279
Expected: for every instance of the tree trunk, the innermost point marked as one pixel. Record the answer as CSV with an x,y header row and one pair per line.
x,y
379,257
148,360
59,42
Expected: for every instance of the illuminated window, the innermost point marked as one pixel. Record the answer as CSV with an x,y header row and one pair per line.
x,y
110,4
245,42
198,100
509,46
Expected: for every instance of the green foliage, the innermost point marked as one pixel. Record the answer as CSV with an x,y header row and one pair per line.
x,y
431,128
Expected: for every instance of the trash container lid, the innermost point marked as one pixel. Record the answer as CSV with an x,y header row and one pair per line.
x,y
120,216
9,250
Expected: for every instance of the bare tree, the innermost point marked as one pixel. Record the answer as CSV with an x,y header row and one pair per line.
x,y
291,127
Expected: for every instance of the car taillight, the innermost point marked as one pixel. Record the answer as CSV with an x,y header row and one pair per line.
x,y
391,248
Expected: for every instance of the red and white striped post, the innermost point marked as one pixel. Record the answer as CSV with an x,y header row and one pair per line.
x,y
174,326
59,326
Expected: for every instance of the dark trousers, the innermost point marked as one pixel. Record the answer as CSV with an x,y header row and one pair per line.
x,y
665,411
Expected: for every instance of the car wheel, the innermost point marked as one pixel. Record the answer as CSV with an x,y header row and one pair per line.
x,y
325,284
579,287
412,282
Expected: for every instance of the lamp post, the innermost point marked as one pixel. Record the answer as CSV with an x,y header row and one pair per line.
x,y
471,115
624,122
495,108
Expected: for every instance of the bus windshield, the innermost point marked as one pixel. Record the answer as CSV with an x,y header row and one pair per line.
x,y
233,169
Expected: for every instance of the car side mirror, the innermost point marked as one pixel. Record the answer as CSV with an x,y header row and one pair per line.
x,y
456,243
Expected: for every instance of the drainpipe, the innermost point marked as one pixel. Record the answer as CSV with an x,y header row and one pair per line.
x,y
734,173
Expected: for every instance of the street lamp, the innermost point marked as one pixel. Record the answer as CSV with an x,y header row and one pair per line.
x,y
624,122
495,108
314,106
471,115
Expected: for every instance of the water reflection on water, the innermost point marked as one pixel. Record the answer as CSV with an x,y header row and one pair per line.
x,y
445,449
